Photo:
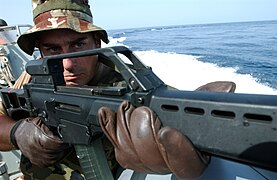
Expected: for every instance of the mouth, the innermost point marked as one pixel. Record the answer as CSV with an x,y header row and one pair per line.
x,y
71,77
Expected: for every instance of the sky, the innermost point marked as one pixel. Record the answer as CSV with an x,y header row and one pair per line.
x,y
122,14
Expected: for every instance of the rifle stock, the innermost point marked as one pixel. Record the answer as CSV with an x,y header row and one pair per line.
x,y
239,127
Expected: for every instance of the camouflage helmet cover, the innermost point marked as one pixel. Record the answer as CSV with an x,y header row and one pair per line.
x,y
59,14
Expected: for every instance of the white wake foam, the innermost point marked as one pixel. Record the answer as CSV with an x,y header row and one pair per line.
x,y
187,73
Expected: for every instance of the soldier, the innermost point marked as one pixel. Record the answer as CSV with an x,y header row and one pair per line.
x,y
64,26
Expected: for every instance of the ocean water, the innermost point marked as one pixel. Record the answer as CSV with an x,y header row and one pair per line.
x,y
187,56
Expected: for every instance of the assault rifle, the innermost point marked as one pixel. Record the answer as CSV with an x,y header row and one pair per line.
x,y
238,127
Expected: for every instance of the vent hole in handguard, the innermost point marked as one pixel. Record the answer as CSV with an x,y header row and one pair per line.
x,y
257,117
167,107
193,110
223,114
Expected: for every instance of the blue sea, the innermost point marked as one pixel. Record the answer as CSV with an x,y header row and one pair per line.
x,y
187,56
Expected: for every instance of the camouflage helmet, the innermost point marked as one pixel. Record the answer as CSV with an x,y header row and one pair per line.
x,y
59,14
3,22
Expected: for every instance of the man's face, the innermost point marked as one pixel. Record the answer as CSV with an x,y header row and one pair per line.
x,y
77,71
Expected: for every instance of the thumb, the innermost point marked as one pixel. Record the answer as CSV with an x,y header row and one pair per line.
x,y
179,154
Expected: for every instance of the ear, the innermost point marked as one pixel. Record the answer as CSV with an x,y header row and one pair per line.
x,y
97,43
97,39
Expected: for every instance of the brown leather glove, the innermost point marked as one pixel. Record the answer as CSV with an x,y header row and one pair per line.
x,y
37,142
142,144
218,86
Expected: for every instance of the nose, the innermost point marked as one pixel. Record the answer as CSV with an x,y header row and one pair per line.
x,y
69,63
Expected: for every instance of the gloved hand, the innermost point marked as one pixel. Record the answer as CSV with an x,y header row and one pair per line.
x,y
37,142
141,144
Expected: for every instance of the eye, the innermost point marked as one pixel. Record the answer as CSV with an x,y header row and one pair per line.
x,y
52,49
79,45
